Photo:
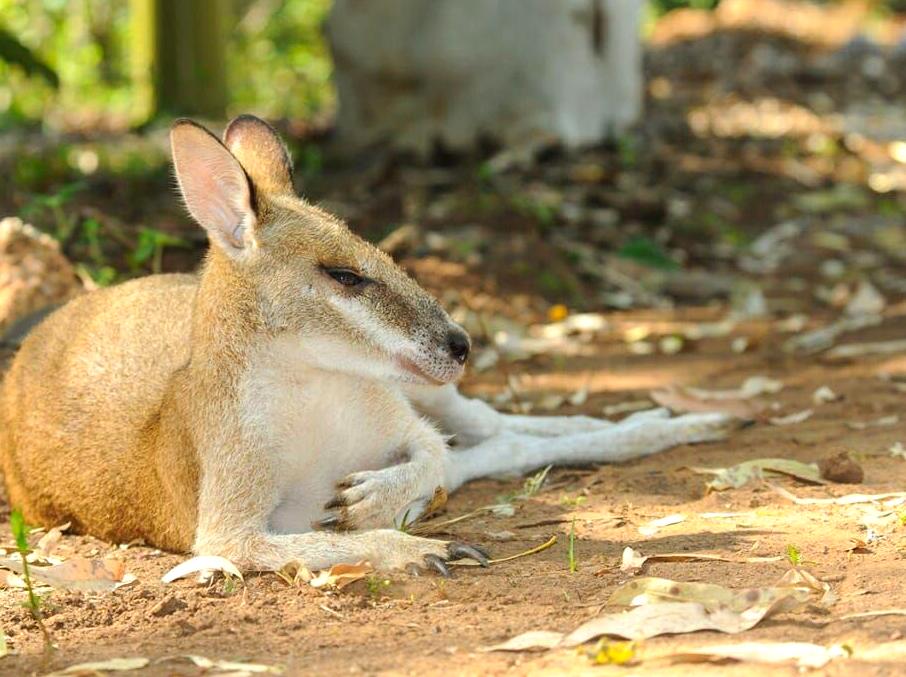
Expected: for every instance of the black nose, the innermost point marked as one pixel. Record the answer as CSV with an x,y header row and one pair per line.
x,y
458,343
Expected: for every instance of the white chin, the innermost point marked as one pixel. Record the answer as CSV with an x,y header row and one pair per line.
x,y
411,372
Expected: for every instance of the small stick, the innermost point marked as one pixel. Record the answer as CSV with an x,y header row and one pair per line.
x,y
536,549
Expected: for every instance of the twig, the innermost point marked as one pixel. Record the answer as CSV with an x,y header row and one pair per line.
x,y
533,551
433,527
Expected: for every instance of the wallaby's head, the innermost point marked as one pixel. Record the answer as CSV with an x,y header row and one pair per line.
x,y
350,307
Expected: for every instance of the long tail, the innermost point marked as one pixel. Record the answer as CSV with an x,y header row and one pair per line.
x,y
17,333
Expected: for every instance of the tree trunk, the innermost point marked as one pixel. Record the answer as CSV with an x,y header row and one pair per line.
x,y
413,74
179,54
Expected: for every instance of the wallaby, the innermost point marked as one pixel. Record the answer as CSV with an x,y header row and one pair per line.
x,y
257,410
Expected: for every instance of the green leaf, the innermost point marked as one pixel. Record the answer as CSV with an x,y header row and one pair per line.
x,y
648,253
794,555
14,52
19,529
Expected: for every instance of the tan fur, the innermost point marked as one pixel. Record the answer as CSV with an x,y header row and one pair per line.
x,y
231,412
90,418
128,410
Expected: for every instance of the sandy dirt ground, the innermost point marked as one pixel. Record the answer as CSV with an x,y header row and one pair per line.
x,y
428,625
748,129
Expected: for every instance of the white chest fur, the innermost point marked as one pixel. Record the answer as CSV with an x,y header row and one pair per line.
x,y
317,427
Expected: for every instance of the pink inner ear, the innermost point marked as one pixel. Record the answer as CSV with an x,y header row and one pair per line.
x,y
213,185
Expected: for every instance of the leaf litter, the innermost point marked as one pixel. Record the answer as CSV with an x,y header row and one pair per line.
x,y
662,606
756,470
683,400
129,664
204,566
654,526
800,654
78,573
632,560
848,499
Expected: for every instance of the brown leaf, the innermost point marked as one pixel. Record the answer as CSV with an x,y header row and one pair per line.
x,y
633,560
78,573
670,618
716,608
739,475
529,641
340,575
848,499
50,540
652,527
652,590
98,667
679,399
801,654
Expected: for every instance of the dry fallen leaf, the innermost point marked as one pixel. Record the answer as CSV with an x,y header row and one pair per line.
x,y
681,400
232,666
629,407
798,577
203,565
78,573
652,590
822,338
340,575
49,541
95,667
667,618
866,301
754,386
295,573
652,527
851,350
739,475
882,422
790,419
10,580
823,395
529,641
873,614
848,499
801,654
633,560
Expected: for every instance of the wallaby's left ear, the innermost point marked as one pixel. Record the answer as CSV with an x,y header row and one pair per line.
x,y
262,154
214,186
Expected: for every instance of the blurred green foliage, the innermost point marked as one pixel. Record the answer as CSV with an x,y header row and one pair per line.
x,y
278,63
83,42
663,6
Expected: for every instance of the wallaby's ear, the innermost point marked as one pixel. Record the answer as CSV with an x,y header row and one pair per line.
x,y
262,154
214,186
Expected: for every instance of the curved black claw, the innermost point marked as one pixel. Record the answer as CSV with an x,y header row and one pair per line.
x,y
462,551
331,522
348,483
437,563
335,502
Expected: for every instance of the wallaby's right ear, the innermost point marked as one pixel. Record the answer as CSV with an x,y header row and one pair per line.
x,y
214,186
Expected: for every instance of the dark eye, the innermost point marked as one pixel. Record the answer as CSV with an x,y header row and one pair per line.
x,y
345,277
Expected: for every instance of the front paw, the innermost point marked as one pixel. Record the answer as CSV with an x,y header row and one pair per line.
x,y
374,499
